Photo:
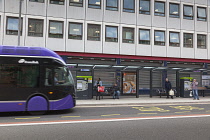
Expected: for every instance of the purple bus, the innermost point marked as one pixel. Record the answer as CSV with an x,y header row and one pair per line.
x,y
34,79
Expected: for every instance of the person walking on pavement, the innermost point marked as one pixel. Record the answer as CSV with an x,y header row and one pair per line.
x,y
97,84
168,87
116,91
194,85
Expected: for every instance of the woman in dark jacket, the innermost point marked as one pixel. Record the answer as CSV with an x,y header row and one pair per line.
x,y
168,87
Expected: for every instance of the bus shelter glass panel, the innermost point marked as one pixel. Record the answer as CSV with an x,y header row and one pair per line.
x,y
129,82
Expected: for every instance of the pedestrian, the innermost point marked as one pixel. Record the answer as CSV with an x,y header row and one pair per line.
x,y
116,91
194,85
168,87
97,84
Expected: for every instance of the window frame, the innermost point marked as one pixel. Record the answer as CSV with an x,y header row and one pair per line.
x,y
185,16
155,13
127,40
186,43
36,1
14,31
200,46
81,36
159,43
127,9
174,15
94,6
200,18
42,27
111,8
106,38
77,4
143,11
50,34
148,41
56,3
99,37
173,44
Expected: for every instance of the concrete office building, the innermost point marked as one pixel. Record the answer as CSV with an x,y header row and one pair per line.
x,y
109,38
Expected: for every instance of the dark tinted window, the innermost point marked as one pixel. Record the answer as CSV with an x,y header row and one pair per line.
x,y
19,76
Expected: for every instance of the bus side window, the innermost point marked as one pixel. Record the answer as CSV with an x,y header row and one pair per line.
x,y
28,76
48,77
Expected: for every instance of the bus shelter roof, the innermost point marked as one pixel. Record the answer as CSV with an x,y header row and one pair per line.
x,y
130,67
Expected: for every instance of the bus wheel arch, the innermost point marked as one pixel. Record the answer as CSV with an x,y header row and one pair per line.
x,y
37,104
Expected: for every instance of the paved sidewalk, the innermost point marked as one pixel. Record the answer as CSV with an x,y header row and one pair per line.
x,y
141,100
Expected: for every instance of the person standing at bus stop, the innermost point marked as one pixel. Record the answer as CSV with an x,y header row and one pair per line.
x,y
116,91
194,85
98,83
168,87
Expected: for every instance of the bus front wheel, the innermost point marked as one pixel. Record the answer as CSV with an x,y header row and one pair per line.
x,y
37,105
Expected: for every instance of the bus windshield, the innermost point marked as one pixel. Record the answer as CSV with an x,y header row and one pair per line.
x,y
62,76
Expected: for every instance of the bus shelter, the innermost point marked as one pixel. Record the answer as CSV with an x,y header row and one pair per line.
x,y
134,80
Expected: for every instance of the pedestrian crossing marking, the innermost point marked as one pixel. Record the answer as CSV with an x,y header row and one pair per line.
x,y
152,108
186,108
110,115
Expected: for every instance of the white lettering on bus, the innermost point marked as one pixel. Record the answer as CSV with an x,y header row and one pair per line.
x,y
28,62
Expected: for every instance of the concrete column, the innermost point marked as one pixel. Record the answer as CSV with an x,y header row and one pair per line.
x,y
137,83
164,74
151,75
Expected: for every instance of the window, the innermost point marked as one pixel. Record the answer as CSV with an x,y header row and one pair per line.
x,y
37,1
160,38
62,77
12,26
201,41
94,32
144,7
129,6
19,75
188,12
56,29
112,5
94,4
201,14
75,31
60,2
174,10
111,34
144,36
159,8
188,40
76,3
174,39
35,27
128,35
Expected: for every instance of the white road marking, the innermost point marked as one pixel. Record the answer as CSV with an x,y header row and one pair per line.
x,y
100,120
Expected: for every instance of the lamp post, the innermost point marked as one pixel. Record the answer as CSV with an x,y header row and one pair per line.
x,y
19,22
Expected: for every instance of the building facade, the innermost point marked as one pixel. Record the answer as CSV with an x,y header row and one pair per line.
x,y
164,32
